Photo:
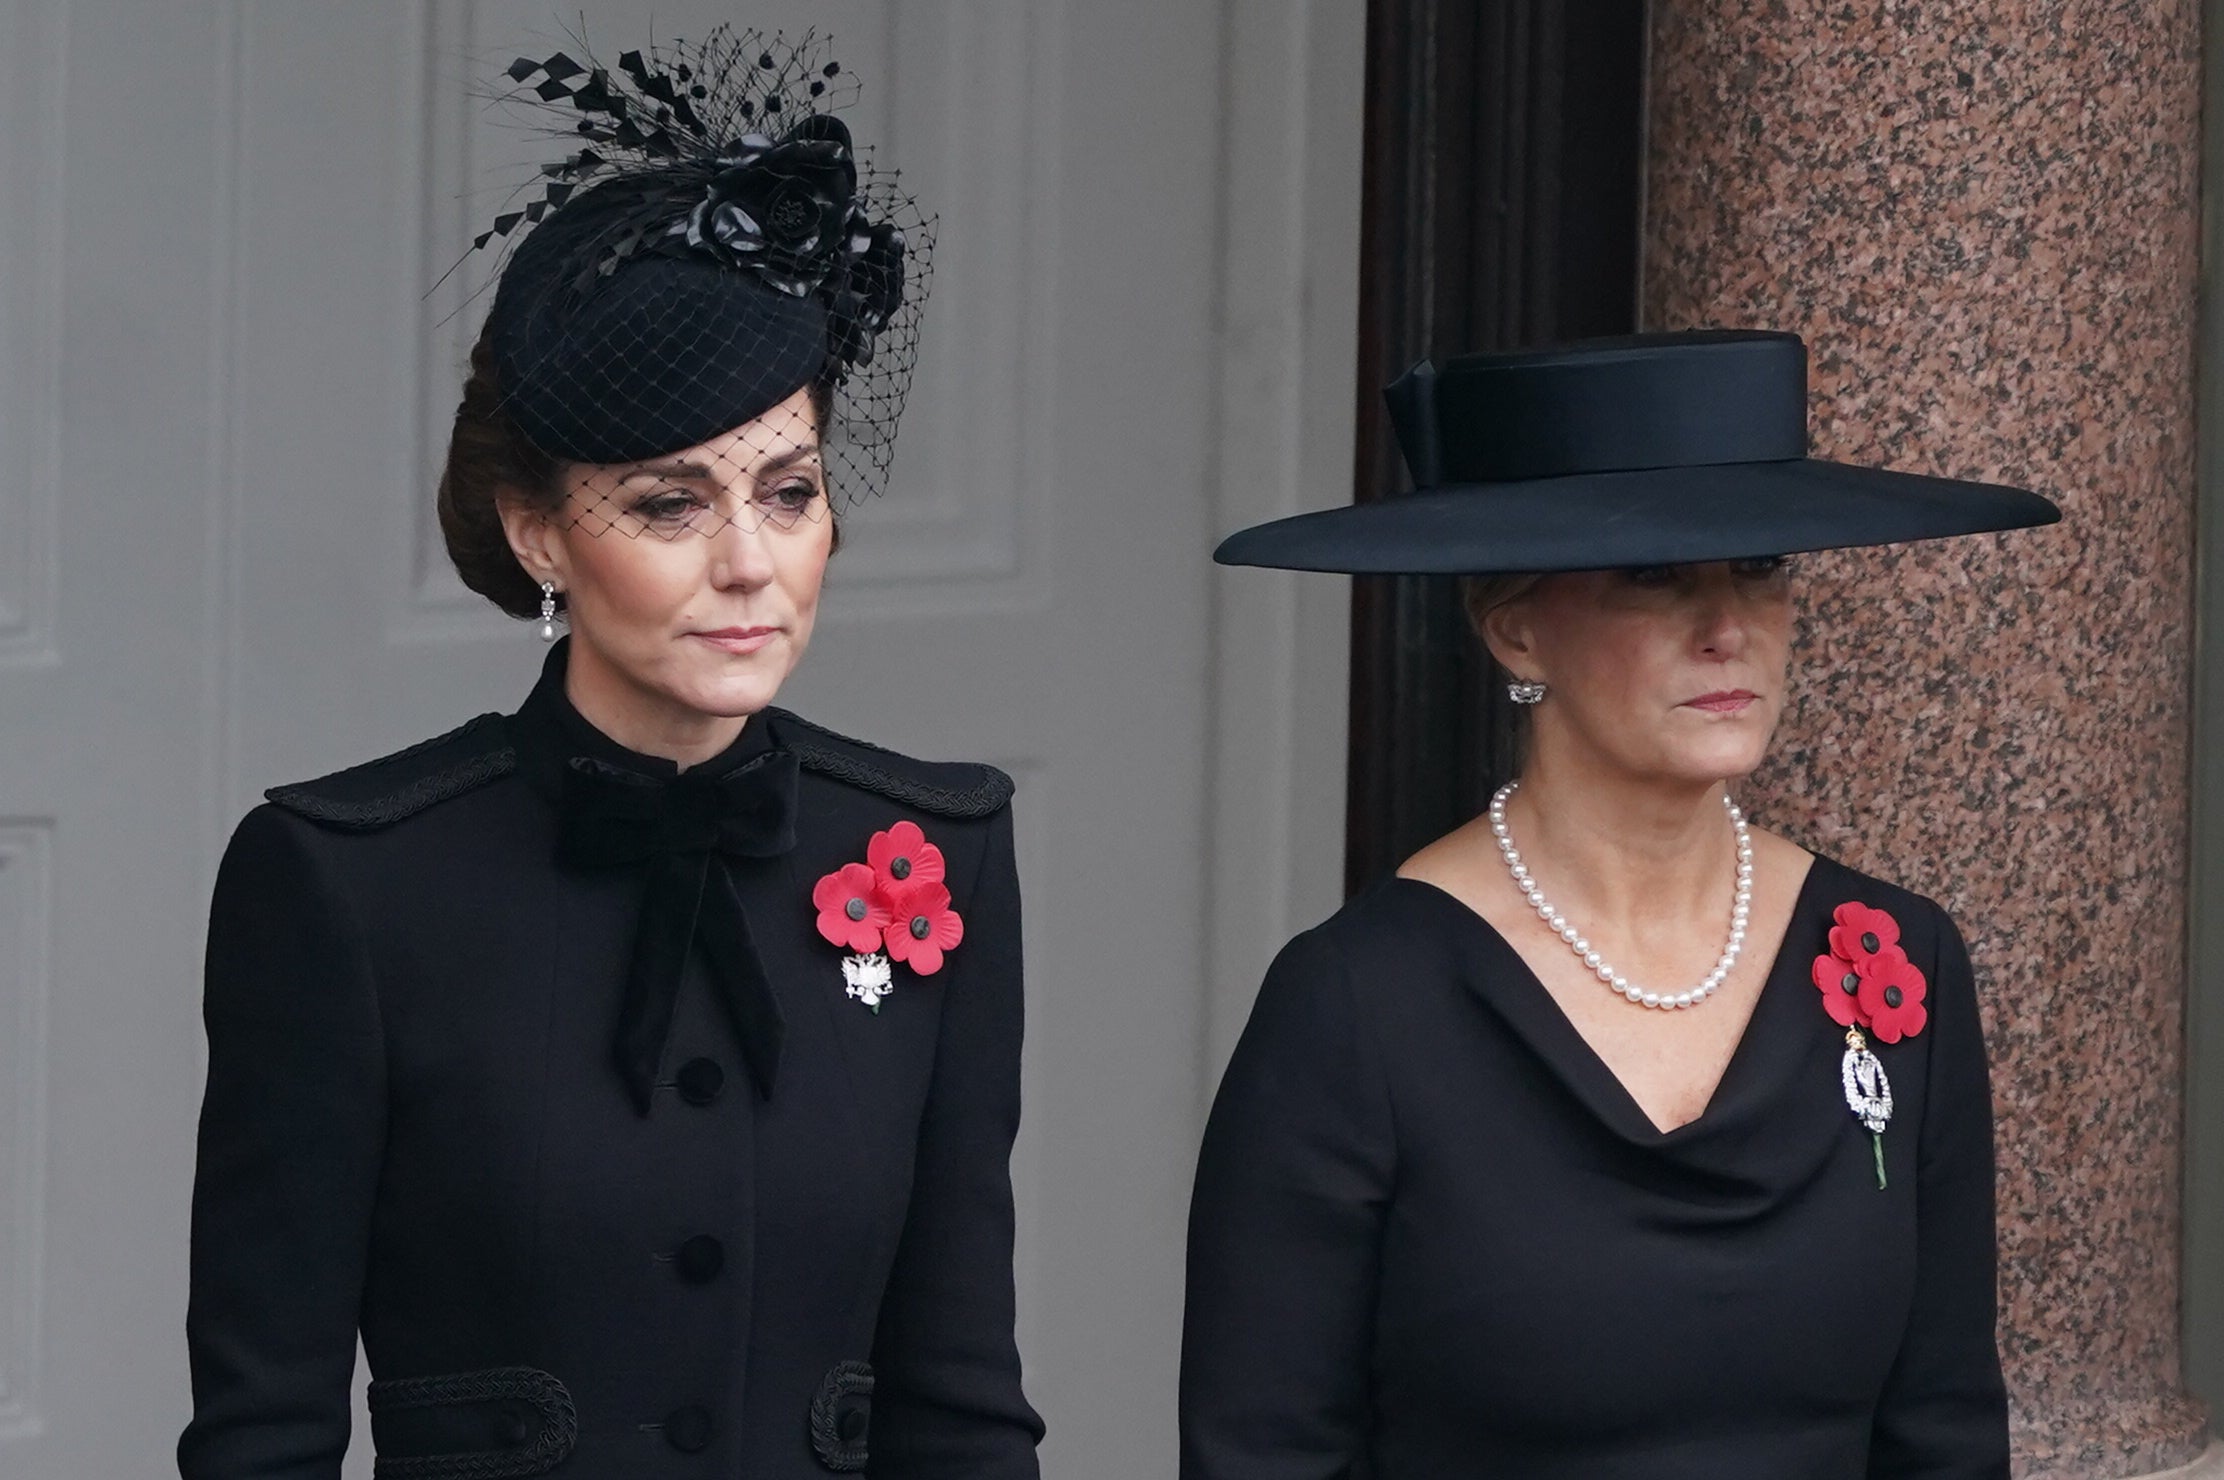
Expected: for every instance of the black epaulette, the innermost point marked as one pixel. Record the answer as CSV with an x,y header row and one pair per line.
x,y
381,793
962,789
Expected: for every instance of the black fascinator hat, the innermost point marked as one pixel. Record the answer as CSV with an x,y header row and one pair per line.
x,y
713,243
1657,449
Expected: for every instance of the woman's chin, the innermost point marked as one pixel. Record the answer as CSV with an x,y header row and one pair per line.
x,y
737,693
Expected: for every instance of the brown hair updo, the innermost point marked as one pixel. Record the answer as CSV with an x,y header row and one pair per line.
x,y
488,458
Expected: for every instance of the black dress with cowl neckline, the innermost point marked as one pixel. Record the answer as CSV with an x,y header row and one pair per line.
x,y
1434,1235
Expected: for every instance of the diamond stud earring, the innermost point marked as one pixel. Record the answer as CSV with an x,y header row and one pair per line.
x,y
1525,691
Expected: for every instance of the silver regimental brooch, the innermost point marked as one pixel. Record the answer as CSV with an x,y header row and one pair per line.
x,y
1868,1092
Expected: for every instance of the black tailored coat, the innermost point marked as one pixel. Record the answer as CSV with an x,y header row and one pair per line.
x,y
1434,1236
415,1128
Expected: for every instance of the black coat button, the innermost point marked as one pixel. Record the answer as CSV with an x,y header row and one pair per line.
x,y
517,1426
700,1080
700,1259
852,1425
688,1429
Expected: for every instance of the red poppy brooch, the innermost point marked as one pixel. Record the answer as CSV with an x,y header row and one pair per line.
x,y
1869,986
893,907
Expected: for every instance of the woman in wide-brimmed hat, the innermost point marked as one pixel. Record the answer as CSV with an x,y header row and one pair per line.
x,y
1613,1135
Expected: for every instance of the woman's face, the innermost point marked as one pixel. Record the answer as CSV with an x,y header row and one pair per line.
x,y
1670,673
692,581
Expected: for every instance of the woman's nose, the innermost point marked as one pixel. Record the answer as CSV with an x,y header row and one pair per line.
x,y
740,553
1722,619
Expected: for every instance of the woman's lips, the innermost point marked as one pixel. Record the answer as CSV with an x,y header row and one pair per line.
x,y
1726,701
738,640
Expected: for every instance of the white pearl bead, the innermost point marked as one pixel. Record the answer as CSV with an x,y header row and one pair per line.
x,y
1591,959
1650,999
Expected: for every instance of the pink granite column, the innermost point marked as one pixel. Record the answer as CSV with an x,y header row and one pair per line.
x,y
1982,216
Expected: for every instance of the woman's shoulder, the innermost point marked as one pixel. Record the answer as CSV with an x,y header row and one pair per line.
x,y
380,793
957,791
1397,932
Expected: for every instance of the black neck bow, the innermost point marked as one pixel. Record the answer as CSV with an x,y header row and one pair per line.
x,y
685,829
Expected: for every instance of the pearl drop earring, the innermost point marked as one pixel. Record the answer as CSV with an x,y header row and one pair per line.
x,y
548,611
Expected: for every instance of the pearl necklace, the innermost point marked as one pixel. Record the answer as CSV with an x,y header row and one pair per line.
x,y
1740,907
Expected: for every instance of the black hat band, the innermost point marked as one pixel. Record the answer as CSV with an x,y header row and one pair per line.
x,y
1732,398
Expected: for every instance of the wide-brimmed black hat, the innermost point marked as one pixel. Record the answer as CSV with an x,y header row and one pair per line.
x,y
1657,449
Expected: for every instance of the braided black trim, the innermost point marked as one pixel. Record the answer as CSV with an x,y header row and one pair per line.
x,y
989,794
844,1380
558,1436
366,814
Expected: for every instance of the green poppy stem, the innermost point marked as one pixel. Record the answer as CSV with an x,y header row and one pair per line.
x,y
1877,1138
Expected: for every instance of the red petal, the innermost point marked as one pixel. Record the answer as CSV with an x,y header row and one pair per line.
x,y
917,897
1829,974
904,838
1893,969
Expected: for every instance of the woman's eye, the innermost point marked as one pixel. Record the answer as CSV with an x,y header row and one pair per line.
x,y
790,498
1651,575
666,506
1760,567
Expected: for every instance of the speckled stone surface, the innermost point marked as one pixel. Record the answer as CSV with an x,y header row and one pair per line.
x,y
1982,216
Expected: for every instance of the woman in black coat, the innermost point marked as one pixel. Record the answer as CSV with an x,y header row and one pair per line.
x,y
636,1074
1612,1136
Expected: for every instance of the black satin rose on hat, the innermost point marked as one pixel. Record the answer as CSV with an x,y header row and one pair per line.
x,y
783,209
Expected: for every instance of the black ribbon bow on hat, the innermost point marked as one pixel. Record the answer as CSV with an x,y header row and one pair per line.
x,y
686,828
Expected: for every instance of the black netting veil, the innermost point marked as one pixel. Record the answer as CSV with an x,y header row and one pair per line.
x,y
714,266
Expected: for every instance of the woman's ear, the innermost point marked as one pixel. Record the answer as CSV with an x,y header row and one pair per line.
x,y
1508,630
533,539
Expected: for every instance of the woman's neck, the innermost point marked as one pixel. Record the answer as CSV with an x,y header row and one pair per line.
x,y
1644,852
641,719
